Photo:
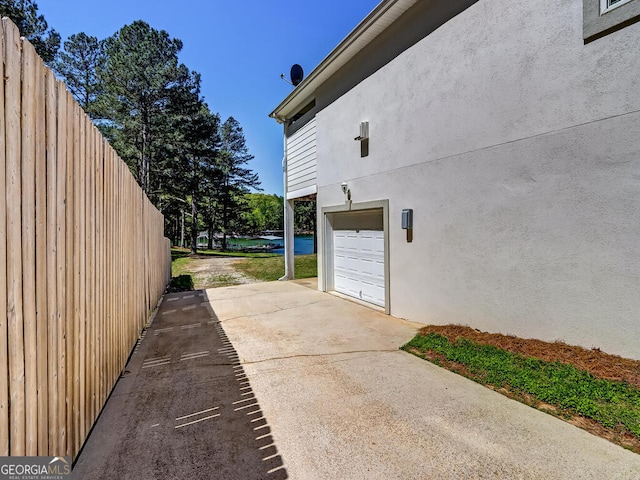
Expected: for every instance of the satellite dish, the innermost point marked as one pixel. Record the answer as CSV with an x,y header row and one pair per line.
x,y
296,75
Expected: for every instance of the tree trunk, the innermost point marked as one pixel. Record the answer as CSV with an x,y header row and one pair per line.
x,y
182,231
225,203
210,234
194,225
144,151
143,159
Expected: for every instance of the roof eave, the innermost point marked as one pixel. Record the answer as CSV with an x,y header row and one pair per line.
x,y
373,25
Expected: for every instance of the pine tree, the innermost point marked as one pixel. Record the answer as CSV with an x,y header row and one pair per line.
x,y
24,13
78,66
140,73
236,179
189,164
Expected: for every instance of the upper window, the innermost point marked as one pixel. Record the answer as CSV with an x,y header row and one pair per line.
x,y
608,5
307,108
602,17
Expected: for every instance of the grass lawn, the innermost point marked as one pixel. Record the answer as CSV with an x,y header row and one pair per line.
x,y
605,407
177,252
182,268
261,266
269,269
181,258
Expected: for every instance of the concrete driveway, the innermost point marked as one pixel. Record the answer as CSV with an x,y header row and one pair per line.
x,y
183,409
342,402
276,380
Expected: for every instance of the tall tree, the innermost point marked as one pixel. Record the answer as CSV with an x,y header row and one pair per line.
x,y
265,212
140,73
210,206
24,13
78,66
191,152
304,215
236,179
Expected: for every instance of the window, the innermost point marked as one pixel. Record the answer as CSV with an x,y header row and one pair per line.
x,y
305,109
608,5
602,17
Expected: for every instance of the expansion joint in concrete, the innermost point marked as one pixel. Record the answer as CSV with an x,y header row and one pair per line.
x,y
317,355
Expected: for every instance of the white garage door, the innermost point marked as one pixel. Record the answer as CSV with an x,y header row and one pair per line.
x,y
358,264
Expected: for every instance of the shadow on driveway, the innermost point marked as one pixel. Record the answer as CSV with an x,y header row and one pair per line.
x,y
184,408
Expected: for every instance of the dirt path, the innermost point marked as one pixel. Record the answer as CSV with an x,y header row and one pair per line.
x,y
212,272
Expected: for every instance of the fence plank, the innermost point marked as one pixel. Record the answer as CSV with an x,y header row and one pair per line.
x,y
90,274
4,359
93,365
61,266
41,254
71,277
15,324
61,277
120,273
108,232
52,324
99,363
28,128
78,200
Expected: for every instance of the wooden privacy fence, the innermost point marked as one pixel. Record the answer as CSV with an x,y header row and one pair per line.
x,y
83,260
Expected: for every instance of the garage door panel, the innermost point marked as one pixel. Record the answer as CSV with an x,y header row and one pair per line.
x,y
359,264
373,294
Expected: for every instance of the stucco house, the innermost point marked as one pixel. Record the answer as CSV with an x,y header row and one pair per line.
x,y
510,132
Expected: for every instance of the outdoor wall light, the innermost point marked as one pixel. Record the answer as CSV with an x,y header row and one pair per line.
x,y
364,132
346,190
363,138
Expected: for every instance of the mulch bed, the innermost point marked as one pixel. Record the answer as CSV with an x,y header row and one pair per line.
x,y
598,363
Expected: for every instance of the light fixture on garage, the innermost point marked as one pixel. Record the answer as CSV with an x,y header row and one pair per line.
x,y
364,132
346,190
363,138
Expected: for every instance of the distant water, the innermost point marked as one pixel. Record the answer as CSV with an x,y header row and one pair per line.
x,y
302,245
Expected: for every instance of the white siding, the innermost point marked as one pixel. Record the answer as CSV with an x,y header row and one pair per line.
x,y
301,158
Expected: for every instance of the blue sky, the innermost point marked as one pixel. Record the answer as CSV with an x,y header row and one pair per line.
x,y
240,47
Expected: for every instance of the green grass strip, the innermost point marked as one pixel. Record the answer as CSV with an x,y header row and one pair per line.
x,y
177,253
573,390
269,269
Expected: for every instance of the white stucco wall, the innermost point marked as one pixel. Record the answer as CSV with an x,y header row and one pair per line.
x,y
518,147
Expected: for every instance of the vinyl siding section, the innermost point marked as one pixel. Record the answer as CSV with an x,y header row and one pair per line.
x,y
302,158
